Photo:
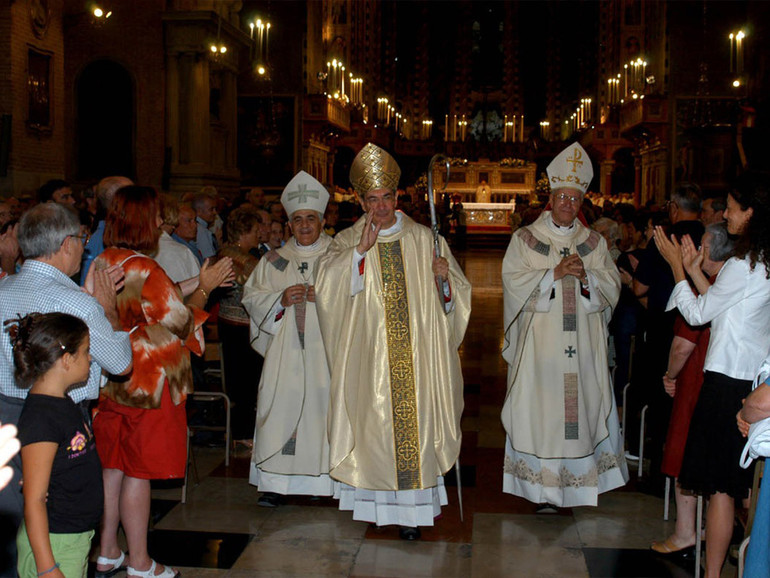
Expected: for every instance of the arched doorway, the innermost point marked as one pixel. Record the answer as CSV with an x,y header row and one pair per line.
x,y
104,94
623,172
343,159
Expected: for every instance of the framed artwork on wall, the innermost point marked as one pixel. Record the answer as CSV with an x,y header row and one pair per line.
x,y
39,90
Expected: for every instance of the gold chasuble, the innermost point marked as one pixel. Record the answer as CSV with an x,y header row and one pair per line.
x,y
396,381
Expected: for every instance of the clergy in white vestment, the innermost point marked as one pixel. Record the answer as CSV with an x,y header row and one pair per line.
x,y
392,317
291,448
563,445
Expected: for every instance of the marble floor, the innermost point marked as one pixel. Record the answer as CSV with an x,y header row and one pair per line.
x,y
221,531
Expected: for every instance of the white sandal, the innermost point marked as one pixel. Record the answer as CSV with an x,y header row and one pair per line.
x,y
116,563
167,572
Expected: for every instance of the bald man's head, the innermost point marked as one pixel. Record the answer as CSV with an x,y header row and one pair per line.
x,y
107,187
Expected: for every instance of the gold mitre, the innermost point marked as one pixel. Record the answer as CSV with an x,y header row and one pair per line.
x,y
373,169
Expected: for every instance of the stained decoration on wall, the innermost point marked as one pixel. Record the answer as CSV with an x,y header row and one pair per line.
x,y
39,90
39,17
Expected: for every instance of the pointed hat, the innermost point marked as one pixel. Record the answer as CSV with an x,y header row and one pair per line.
x,y
372,169
304,192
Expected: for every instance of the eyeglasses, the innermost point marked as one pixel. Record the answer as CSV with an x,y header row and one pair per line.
x,y
565,197
84,238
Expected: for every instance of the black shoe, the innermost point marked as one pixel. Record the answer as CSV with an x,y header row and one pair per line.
x,y
407,533
546,508
270,500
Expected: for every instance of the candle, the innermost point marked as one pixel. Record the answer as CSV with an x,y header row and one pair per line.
x,y
446,127
625,80
505,128
267,41
732,36
521,129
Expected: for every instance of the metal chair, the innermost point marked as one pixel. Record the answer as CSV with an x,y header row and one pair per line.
x,y
211,354
640,471
759,470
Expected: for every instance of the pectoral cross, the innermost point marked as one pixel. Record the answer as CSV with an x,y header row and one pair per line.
x,y
565,252
570,351
302,268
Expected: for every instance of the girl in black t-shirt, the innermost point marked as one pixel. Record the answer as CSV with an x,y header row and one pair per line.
x,y
63,494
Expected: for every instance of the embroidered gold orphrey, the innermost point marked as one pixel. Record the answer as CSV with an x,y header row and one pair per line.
x,y
402,390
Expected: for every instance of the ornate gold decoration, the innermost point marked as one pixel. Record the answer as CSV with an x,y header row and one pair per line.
x,y
402,388
373,169
564,479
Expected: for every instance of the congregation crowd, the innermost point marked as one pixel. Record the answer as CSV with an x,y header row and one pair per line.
x,y
340,325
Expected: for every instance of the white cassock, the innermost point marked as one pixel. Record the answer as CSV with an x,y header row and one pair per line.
x,y
563,443
291,448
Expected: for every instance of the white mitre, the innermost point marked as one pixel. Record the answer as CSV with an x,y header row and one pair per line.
x,y
304,193
571,169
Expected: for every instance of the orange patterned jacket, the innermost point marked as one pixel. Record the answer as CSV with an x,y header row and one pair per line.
x,y
163,332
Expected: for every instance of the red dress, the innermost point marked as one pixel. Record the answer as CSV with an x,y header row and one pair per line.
x,y
140,424
688,385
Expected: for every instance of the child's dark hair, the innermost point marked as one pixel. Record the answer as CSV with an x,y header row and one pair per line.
x,y
39,340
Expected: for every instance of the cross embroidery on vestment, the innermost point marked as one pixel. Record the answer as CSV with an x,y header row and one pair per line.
x,y
302,193
575,160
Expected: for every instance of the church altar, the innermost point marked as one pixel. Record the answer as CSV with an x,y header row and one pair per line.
x,y
485,180
488,217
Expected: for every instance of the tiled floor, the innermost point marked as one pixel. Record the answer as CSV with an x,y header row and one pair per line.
x,y
221,531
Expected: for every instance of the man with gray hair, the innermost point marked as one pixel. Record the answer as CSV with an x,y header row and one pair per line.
x,y
291,447
654,280
50,239
712,210
563,446
105,191
205,205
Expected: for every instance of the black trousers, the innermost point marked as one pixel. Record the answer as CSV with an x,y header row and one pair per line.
x,y
243,370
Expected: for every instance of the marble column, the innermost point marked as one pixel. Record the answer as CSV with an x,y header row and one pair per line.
x,y
605,179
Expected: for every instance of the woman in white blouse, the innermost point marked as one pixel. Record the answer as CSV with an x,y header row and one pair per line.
x,y
738,307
